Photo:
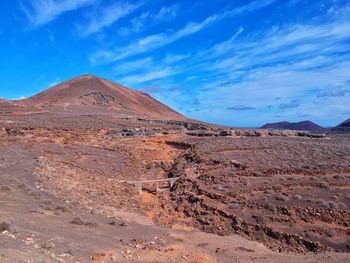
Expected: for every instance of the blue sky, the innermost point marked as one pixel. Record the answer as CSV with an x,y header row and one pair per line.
x,y
240,63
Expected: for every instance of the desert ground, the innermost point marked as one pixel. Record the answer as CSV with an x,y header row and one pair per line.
x,y
95,177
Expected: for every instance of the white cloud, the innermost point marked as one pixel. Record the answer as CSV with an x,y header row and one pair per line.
x,y
20,98
296,63
173,58
155,41
106,16
130,66
147,18
149,43
251,7
141,78
41,12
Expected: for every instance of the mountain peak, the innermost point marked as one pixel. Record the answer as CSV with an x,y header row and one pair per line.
x,y
89,93
86,76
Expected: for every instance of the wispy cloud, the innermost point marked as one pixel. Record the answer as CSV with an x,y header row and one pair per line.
x,y
251,7
172,58
131,66
106,16
41,12
151,89
148,18
334,93
141,78
155,41
240,108
289,105
149,43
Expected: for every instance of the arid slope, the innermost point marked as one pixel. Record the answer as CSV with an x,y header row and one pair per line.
x,y
99,94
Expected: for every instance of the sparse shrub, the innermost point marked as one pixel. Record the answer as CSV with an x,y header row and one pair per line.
x,y
278,187
236,222
325,185
91,223
35,193
332,233
247,183
47,245
21,186
233,194
258,174
219,188
308,234
5,226
36,210
5,188
61,208
310,200
315,178
78,221
112,223
291,178
260,219
123,224
297,197
235,206
47,202
282,198
271,208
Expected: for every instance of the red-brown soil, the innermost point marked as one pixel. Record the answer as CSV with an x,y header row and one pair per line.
x,y
67,163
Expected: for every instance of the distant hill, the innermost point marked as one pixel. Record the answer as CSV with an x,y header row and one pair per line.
x,y
343,127
301,126
4,102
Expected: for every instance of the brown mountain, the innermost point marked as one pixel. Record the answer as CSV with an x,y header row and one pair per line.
x,y
89,94
87,102
343,127
300,126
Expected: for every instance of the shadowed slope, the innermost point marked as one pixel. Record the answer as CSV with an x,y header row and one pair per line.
x,y
343,127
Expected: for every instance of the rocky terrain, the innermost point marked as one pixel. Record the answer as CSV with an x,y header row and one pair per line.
x,y
92,171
